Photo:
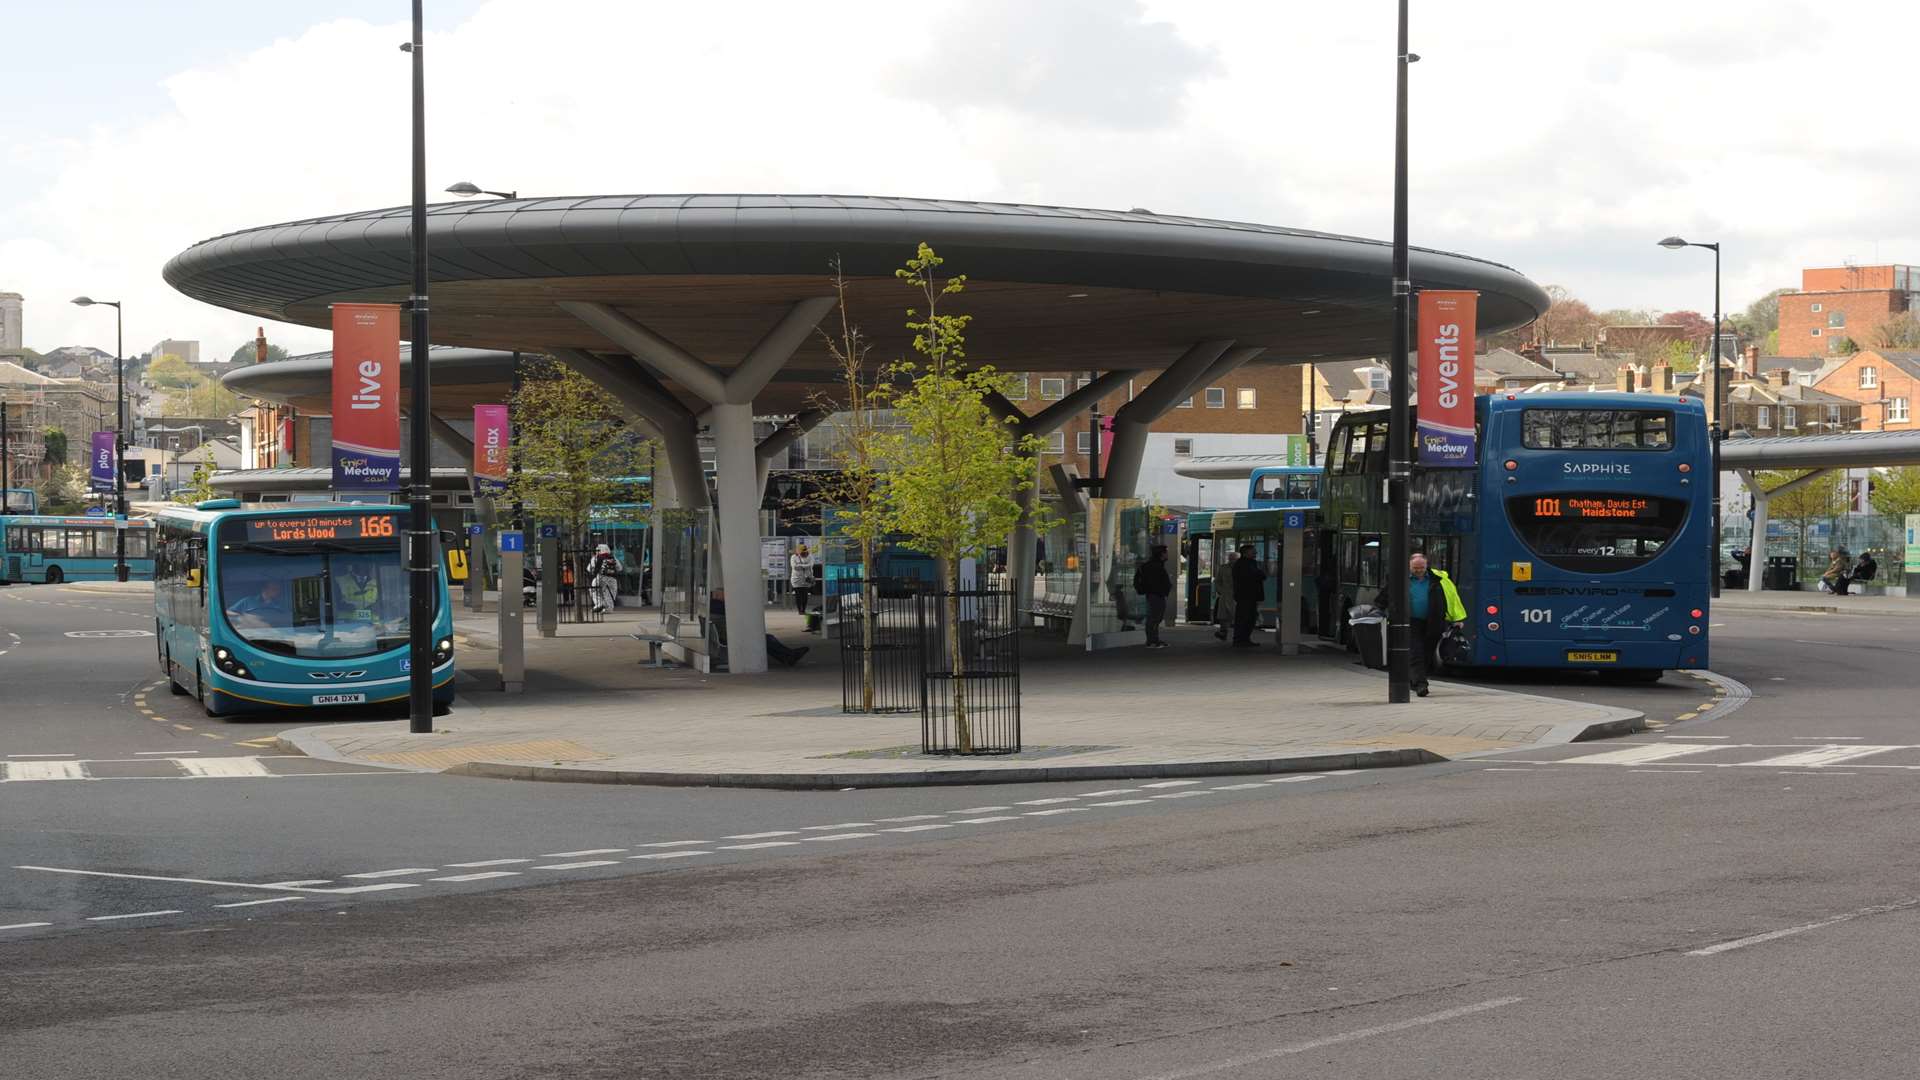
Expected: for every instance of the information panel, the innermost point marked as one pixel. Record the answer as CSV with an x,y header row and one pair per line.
x,y
321,527
1592,507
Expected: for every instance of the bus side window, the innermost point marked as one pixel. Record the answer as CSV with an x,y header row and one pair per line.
x,y
1370,556
1349,568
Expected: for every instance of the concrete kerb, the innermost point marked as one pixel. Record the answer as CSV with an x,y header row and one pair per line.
x,y
1622,722
936,777
307,741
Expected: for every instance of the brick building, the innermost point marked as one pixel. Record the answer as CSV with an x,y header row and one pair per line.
x,y
1838,304
1245,413
1884,382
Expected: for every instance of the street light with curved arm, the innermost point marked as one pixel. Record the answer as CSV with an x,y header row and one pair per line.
x,y
119,437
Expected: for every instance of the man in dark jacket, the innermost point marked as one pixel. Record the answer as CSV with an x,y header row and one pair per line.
x,y
1433,604
1249,591
1152,581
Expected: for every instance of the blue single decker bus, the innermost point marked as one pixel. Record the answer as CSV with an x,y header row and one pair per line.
x,y
1284,487
266,607
50,549
1580,541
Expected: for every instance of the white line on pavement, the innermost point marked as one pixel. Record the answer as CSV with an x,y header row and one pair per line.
x,y
488,862
841,836
1058,810
1047,802
382,887
38,755
181,880
675,843
1334,1040
223,767
984,820
132,915
842,825
302,881
1297,779
481,876
918,828
1109,791
577,854
1177,795
670,855
1170,783
256,903
909,817
1829,738
1666,772
1643,754
760,835
578,865
43,770
1236,787
24,925
1775,935
1823,755
1124,802
402,872
979,810
758,846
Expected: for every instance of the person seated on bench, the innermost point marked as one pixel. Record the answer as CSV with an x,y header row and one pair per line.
x,y
776,650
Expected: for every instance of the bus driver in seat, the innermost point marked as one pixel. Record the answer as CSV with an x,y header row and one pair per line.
x,y
266,606
359,597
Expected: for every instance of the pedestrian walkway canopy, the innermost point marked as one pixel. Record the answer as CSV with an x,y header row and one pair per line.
x,y
1847,450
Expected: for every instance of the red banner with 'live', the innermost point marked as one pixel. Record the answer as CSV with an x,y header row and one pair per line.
x,y
366,397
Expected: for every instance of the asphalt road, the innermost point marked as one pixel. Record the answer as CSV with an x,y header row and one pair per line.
x,y
1548,913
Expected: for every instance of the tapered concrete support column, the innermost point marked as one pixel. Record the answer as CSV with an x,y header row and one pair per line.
x,y
1021,555
739,540
730,396
672,423
1197,367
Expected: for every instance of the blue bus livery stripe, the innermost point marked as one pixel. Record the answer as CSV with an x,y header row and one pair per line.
x,y
323,687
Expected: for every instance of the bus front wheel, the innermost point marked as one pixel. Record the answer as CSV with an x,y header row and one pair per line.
x,y
55,576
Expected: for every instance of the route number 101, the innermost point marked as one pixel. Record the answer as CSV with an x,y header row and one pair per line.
x,y
1536,615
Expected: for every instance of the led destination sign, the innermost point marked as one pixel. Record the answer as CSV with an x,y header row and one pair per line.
x,y
1595,507
306,530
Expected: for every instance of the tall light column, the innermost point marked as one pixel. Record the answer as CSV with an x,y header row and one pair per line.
x,y
1717,429
421,576
119,437
1399,418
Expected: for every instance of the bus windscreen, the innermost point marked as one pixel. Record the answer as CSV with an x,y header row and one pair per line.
x,y
1590,533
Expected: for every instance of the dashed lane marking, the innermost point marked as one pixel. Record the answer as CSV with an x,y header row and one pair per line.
x,y
676,843
1124,802
489,862
481,876
759,845
257,903
25,925
919,828
133,915
579,865
402,872
776,832
980,810
674,854
987,820
841,836
582,854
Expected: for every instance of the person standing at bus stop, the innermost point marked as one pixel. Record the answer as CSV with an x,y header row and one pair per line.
x,y
1249,589
1433,604
1152,582
800,577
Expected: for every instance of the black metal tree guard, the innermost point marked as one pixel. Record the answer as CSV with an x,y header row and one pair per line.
x,y
972,706
880,673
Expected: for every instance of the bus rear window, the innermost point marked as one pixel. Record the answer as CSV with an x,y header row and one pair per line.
x,y
1597,429
1595,532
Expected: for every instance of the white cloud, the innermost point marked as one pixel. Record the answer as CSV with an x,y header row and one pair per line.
x,y
1562,140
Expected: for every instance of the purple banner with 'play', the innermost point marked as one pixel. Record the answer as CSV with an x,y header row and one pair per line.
x,y
100,473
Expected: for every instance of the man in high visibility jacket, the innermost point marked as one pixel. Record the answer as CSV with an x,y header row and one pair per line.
x,y
1433,603
359,593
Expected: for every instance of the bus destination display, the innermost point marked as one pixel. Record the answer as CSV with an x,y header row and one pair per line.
x,y
1595,507
305,529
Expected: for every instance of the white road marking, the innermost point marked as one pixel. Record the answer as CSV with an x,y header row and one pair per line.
x,y
402,872
224,767
1343,772
162,753
480,876
1505,770
44,755
24,925
1666,772
268,900
1829,738
1237,787
382,887
578,865
1047,802
841,836
675,843
1697,736
1297,779
1123,802
670,855
1170,783
1177,795
41,770
910,817
1109,791
983,820
1059,810
918,828
1823,755
980,810
758,846
760,835
842,825
133,915
303,881
1639,755
1333,1040
180,880
577,854
1810,772
1775,935
488,862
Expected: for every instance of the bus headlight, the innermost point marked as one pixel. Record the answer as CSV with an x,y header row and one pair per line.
x,y
228,664
442,651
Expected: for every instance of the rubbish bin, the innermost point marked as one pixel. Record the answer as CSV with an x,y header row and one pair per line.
x,y
1783,573
1369,625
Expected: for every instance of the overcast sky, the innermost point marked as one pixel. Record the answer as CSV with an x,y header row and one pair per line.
x,y
1561,139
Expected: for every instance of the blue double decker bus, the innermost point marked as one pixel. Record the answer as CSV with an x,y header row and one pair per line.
x,y
1579,541
50,549
1284,487
261,607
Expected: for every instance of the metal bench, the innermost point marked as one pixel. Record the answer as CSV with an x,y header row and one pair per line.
x,y
669,632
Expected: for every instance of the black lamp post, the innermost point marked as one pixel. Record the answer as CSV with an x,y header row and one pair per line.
x,y
421,576
119,438
1399,417
1716,432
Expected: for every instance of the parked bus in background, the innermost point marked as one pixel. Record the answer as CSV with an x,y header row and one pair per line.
x,y
1284,487
259,608
52,549
1579,541
20,501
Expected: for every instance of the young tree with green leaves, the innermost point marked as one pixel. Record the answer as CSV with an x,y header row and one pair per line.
x,y
201,396
1896,492
954,470
199,487
54,442
1823,497
571,443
